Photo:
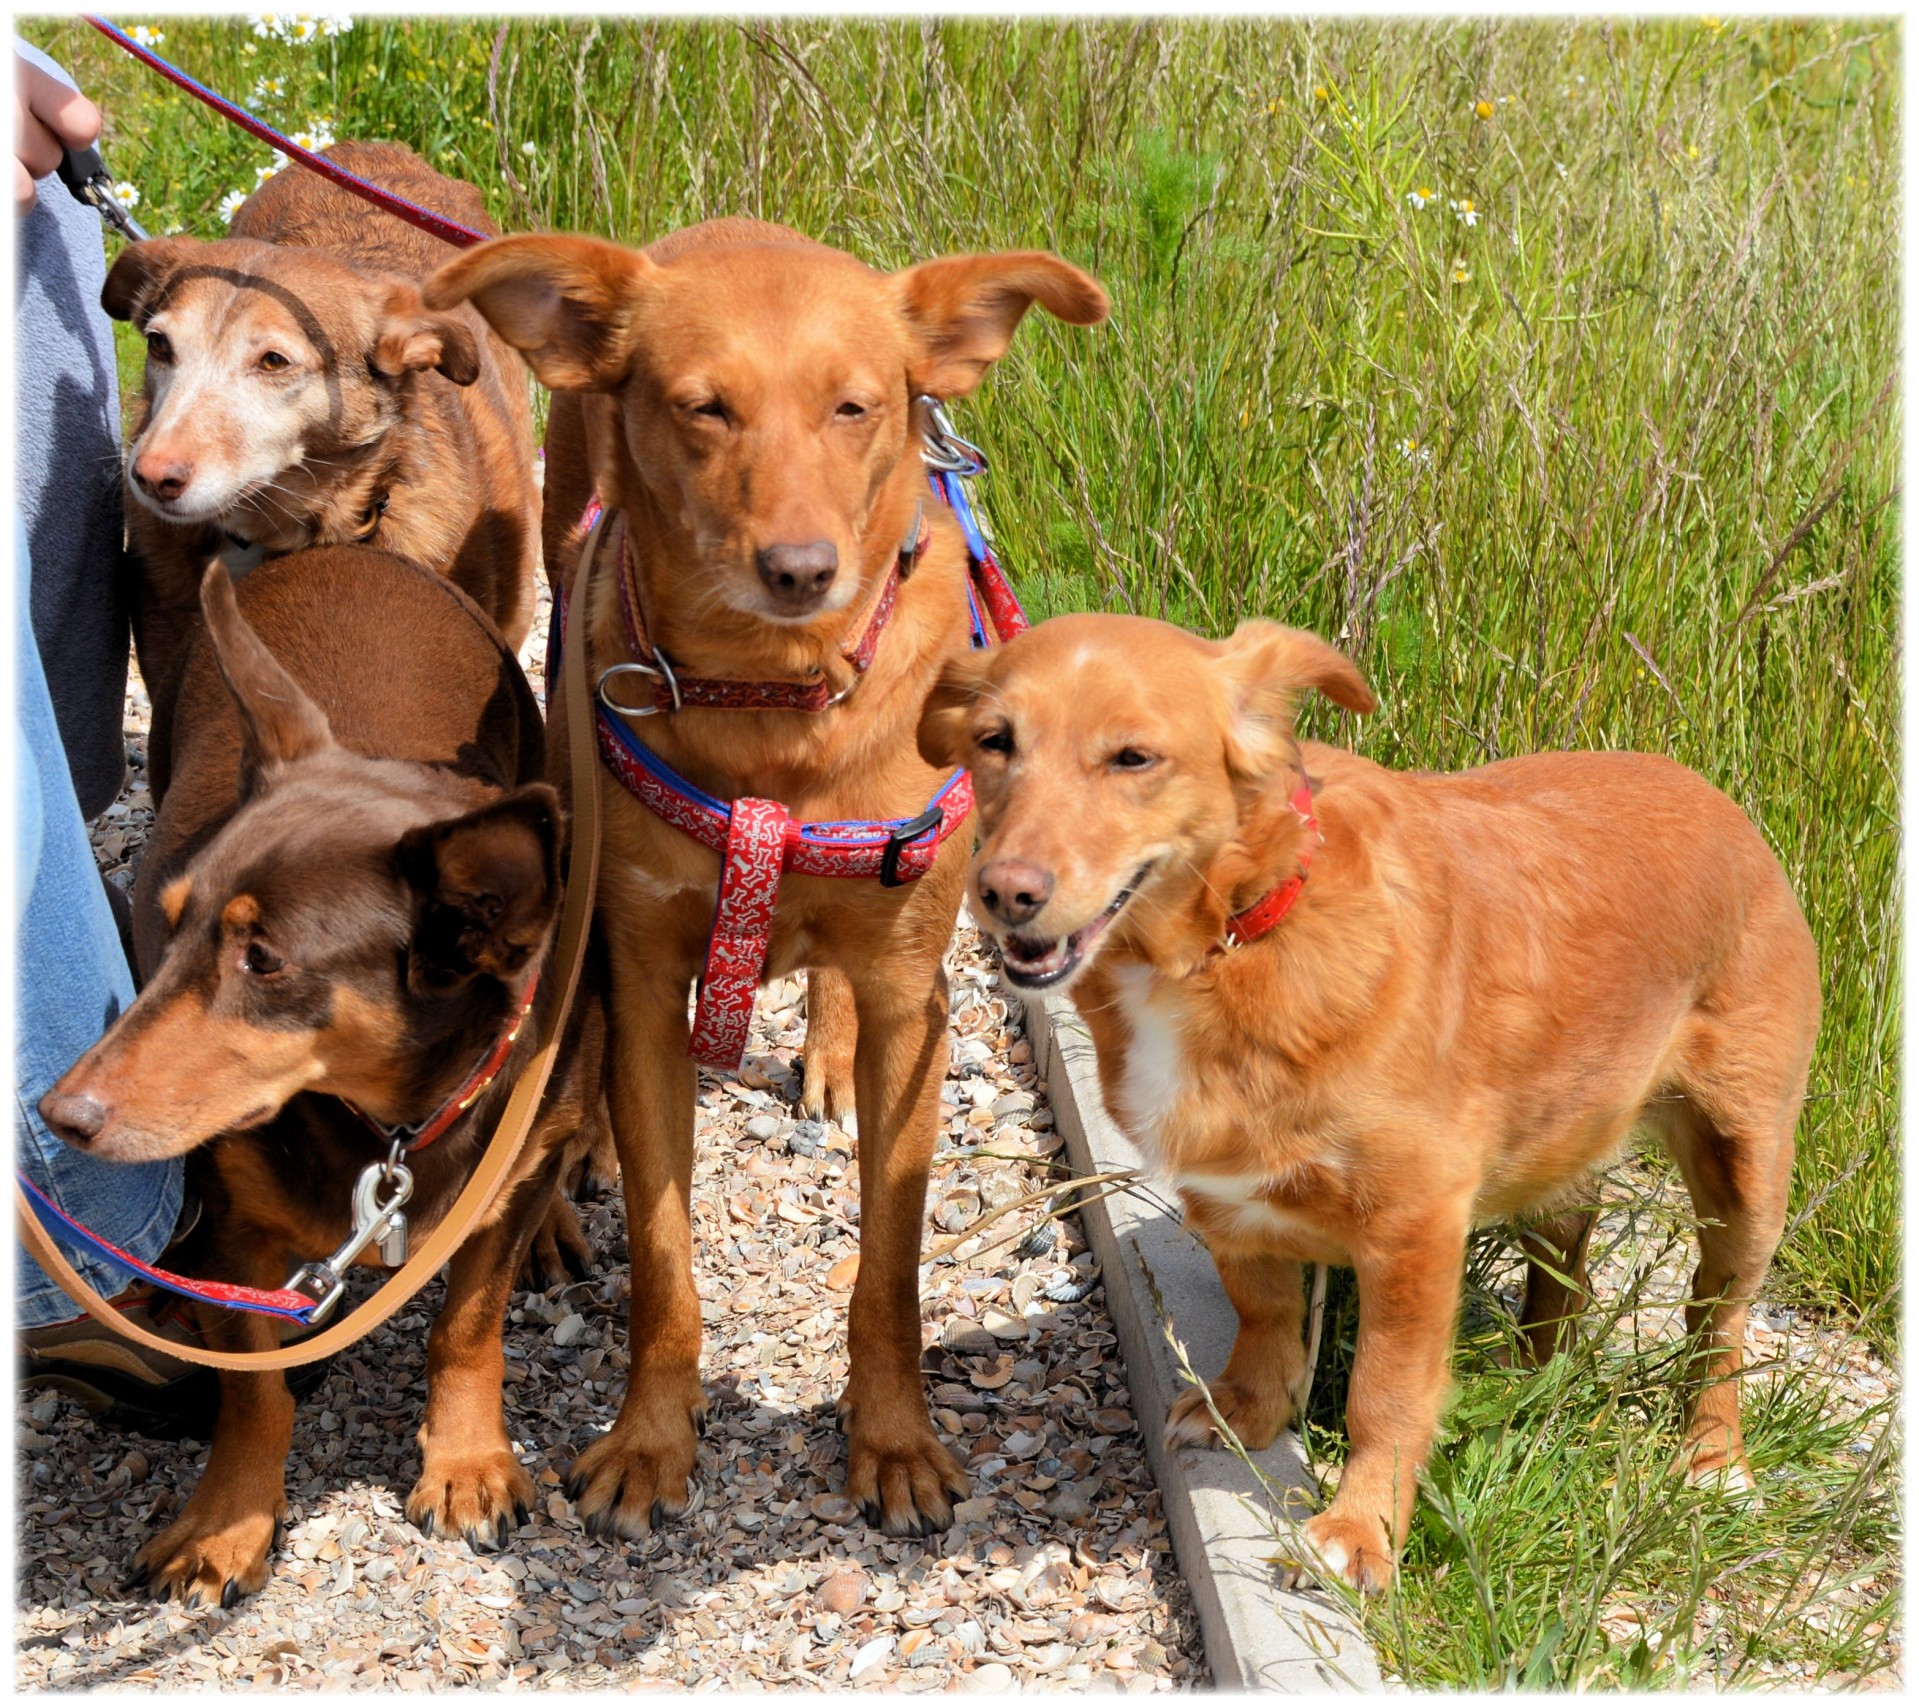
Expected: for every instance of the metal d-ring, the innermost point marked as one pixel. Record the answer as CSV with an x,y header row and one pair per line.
x,y
662,672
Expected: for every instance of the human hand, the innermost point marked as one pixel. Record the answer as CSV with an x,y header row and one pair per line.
x,y
48,119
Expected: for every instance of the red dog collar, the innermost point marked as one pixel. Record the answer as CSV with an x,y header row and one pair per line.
x,y
1271,908
417,1135
671,691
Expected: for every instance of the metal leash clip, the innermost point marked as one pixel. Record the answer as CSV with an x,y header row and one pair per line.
x,y
374,1222
943,448
86,175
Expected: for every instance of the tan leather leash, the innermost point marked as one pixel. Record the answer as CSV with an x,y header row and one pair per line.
x,y
516,1120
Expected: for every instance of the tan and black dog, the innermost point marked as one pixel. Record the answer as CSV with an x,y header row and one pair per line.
x,y
350,894
1482,984
755,415
297,393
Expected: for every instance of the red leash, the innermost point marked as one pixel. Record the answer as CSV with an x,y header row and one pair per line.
x,y
437,225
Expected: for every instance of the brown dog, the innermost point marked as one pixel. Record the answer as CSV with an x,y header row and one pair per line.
x,y
1485,982
350,893
298,394
756,422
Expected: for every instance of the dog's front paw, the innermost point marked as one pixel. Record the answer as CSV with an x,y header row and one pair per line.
x,y
212,1554
1356,1549
639,1473
478,1496
1255,1414
560,1251
903,1478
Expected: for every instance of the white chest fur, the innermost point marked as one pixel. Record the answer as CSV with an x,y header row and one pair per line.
x,y
1152,1073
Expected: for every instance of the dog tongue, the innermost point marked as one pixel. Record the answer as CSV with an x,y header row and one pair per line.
x,y
1042,955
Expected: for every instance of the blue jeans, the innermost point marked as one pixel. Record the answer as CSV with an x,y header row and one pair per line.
x,y
70,981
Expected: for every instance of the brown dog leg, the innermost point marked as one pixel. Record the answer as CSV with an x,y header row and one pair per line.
x,y
898,1470
1409,1284
1738,1184
832,1035
637,1473
1255,1392
216,1550
1557,1289
471,1484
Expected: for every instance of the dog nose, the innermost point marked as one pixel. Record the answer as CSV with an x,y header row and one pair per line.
x,y
1013,890
798,576
164,478
75,1120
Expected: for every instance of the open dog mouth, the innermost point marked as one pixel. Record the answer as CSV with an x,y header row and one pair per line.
x,y
1033,963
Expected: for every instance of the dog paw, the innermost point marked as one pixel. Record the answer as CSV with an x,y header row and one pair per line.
x,y
1709,1464
901,1476
597,1169
480,1497
206,1558
1356,1549
639,1474
560,1251
1254,1415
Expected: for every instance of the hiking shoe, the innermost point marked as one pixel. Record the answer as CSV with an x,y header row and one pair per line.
x,y
132,1387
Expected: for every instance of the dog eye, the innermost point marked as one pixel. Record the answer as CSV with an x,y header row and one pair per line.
x,y
711,410
851,411
996,741
1134,759
273,361
261,960
158,347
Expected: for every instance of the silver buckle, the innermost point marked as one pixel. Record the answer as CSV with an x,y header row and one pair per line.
x,y
662,672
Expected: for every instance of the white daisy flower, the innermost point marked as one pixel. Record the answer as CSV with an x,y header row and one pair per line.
x,y
148,37
230,204
126,195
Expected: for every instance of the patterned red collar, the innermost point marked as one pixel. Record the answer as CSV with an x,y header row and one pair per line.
x,y
1271,908
671,691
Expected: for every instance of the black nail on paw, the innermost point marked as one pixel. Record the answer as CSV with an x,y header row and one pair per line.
x,y
519,1512
655,1515
230,1594
500,1531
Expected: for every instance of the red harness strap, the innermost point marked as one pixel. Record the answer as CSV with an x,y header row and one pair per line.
x,y
1276,903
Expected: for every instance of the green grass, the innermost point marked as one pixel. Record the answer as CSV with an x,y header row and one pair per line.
x,y
1613,467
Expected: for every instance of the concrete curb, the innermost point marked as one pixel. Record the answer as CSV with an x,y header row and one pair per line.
x,y
1258,1636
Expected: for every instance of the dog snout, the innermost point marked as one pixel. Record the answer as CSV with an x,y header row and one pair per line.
x,y
798,576
161,477
76,1118
1014,890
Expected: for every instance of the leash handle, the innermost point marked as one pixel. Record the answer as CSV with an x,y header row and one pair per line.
x,y
516,1120
87,179
436,225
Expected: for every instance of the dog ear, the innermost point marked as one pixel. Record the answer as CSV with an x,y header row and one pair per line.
x,y
138,273
1267,666
278,720
942,729
565,302
410,339
489,887
964,309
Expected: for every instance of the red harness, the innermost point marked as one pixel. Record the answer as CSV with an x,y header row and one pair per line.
x,y
759,840
1276,903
